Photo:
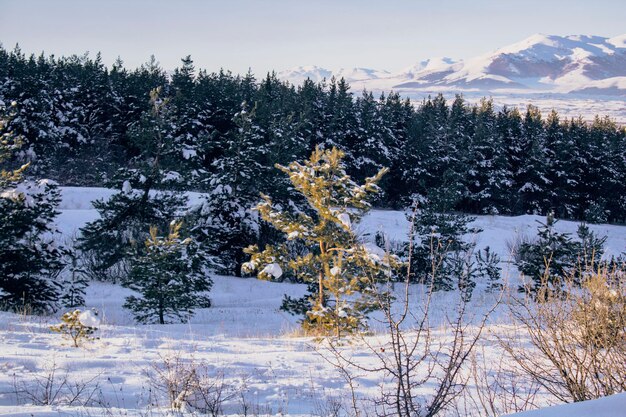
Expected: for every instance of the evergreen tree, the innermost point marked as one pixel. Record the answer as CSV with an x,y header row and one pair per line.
x,y
371,152
192,132
224,222
394,116
488,178
440,254
563,170
170,277
141,199
424,159
555,256
341,126
75,282
530,180
341,270
311,114
30,260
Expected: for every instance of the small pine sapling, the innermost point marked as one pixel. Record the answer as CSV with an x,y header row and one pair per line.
x,y
555,255
75,283
170,278
342,272
440,254
77,325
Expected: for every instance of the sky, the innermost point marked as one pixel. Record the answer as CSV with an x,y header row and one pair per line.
x,y
266,35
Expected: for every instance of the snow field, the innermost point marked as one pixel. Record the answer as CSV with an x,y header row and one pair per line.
x,y
268,368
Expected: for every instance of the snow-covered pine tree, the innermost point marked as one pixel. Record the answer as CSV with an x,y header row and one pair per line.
x,y
81,94
394,115
75,281
30,85
169,277
224,222
453,173
530,179
555,257
424,158
370,152
192,131
311,113
30,260
340,269
341,126
488,177
603,161
441,254
142,199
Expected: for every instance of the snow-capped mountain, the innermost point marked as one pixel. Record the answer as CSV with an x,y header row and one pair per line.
x,y
360,74
299,74
540,63
314,73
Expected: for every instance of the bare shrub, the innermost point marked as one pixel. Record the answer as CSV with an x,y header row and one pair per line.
x,y
513,245
577,335
413,355
53,386
189,384
95,270
497,388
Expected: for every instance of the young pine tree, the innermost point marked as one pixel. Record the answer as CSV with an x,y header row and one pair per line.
x,y
441,255
224,223
170,278
75,281
142,199
555,257
341,270
30,260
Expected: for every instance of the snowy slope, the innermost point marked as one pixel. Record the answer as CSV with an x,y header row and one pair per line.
x,y
612,406
243,336
76,210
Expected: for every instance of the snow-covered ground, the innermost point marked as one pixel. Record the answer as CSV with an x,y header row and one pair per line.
x,y
611,406
244,342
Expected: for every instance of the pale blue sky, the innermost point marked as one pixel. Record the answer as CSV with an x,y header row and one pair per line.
x,y
279,34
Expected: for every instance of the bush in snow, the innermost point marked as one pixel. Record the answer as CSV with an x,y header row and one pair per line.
x,y
190,385
341,271
78,326
440,253
170,278
29,259
555,255
577,333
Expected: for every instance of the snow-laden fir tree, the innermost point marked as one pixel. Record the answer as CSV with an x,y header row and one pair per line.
x,y
489,177
341,270
146,195
30,260
225,223
170,278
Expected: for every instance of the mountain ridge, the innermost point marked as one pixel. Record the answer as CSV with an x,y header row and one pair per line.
x,y
580,64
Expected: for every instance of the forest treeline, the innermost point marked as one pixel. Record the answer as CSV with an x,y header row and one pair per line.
x,y
78,120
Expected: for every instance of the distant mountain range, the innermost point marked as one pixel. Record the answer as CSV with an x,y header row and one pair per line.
x,y
588,65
